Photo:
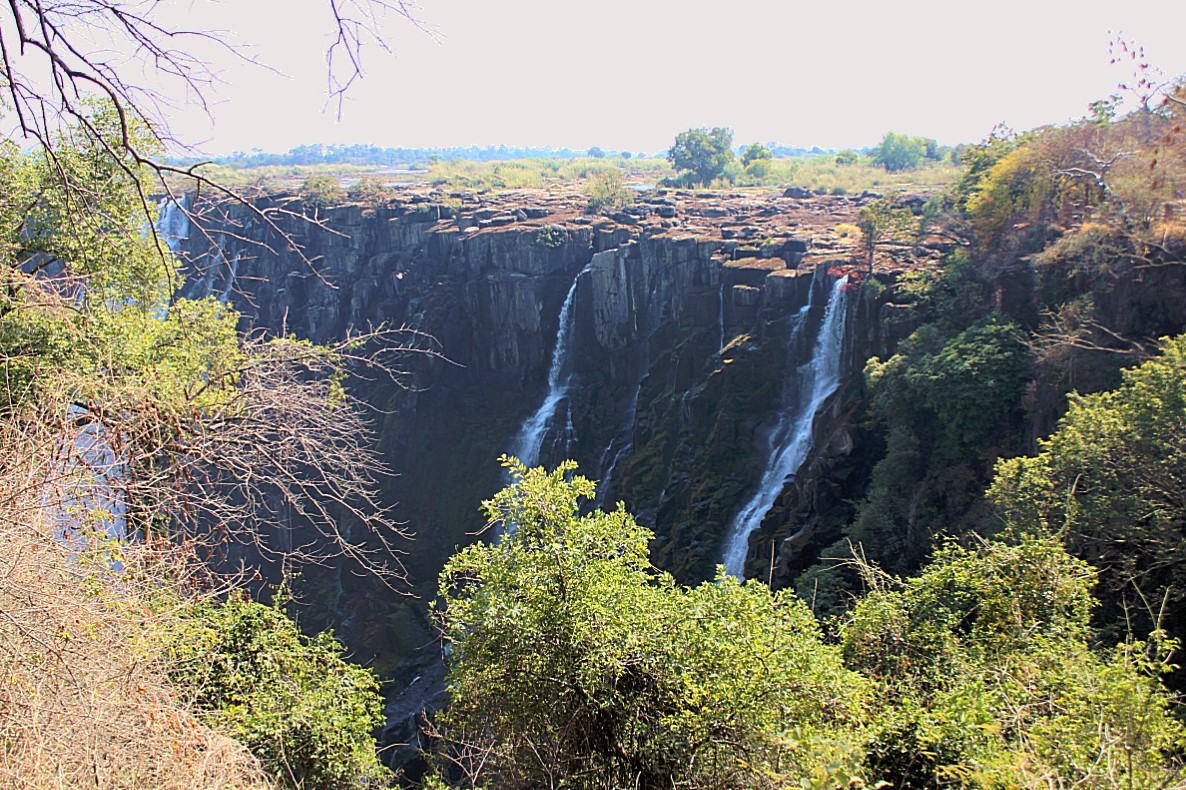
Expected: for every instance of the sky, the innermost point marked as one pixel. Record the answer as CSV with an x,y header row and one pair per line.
x,y
630,74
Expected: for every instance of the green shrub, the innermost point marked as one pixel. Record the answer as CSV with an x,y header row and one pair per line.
x,y
552,236
304,711
572,659
988,678
320,191
755,152
606,191
371,190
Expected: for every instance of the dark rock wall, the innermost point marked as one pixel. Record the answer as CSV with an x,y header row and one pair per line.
x,y
668,420
665,418
680,350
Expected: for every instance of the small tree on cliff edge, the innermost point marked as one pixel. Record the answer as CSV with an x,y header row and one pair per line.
x,y
884,221
702,153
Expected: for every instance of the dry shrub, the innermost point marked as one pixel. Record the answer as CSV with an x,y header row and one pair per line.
x,y
84,702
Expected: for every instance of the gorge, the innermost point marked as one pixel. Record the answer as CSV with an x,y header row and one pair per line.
x,y
669,350
698,354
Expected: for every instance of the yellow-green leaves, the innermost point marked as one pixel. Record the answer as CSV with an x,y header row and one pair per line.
x,y
571,656
1111,481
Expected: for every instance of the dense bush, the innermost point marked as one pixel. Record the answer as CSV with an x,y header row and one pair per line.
x,y
606,190
1112,481
292,699
986,678
320,191
571,658
573,662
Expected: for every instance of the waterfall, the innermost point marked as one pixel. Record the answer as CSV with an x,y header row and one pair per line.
x,y
721,314
530,440
815,380
232,273
172,223
626,437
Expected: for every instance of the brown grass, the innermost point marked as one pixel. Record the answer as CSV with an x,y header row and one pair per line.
x,y
84,701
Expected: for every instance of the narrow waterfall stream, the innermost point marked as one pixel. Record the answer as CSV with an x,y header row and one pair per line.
x,y
621,444
172,223
530,440
721,315
815,381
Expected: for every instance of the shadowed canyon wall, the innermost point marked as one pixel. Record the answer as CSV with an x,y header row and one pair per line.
x,y
679,354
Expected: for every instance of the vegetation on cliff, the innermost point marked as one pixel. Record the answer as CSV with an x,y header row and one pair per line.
x,y
571,657
964,660
1068,252
141,435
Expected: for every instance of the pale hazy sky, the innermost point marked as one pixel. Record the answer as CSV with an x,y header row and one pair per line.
x,y
630,74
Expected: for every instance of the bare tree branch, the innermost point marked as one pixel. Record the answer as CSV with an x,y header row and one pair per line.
x,y
55,74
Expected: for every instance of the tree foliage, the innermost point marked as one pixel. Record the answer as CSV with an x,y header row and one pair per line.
x,y
1112,481
984,677
703,153
884,221
606,190
371,190
754,152
572,662
571,657
321,191
898,151
130,414
293,700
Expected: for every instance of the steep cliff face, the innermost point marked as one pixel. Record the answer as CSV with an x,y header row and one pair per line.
x,y
680,344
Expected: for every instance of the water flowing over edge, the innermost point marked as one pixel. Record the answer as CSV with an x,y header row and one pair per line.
x,y
530,439
172,223
792,439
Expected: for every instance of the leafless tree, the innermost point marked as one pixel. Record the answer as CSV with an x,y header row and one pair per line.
x,y
283,443
60,59
285,436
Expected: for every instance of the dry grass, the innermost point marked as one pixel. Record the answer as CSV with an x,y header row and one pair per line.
x,y
84,702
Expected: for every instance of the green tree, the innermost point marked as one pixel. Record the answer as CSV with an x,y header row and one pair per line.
x,y
703,153
369,189
572,660
898,151
321,191
883,221
606,190
1111,480
974,382
984,677
300,707
754,152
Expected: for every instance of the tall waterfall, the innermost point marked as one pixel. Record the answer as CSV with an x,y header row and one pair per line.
x,y
173,222
721,315
618,446
815,380
530,440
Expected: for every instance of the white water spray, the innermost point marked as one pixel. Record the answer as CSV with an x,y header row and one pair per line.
x,y
172,223
791,441
531,436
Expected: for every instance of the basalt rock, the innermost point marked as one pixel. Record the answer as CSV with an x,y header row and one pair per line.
x,y
680,349
682,339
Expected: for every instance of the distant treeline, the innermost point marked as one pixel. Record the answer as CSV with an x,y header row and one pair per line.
x,y
318,154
